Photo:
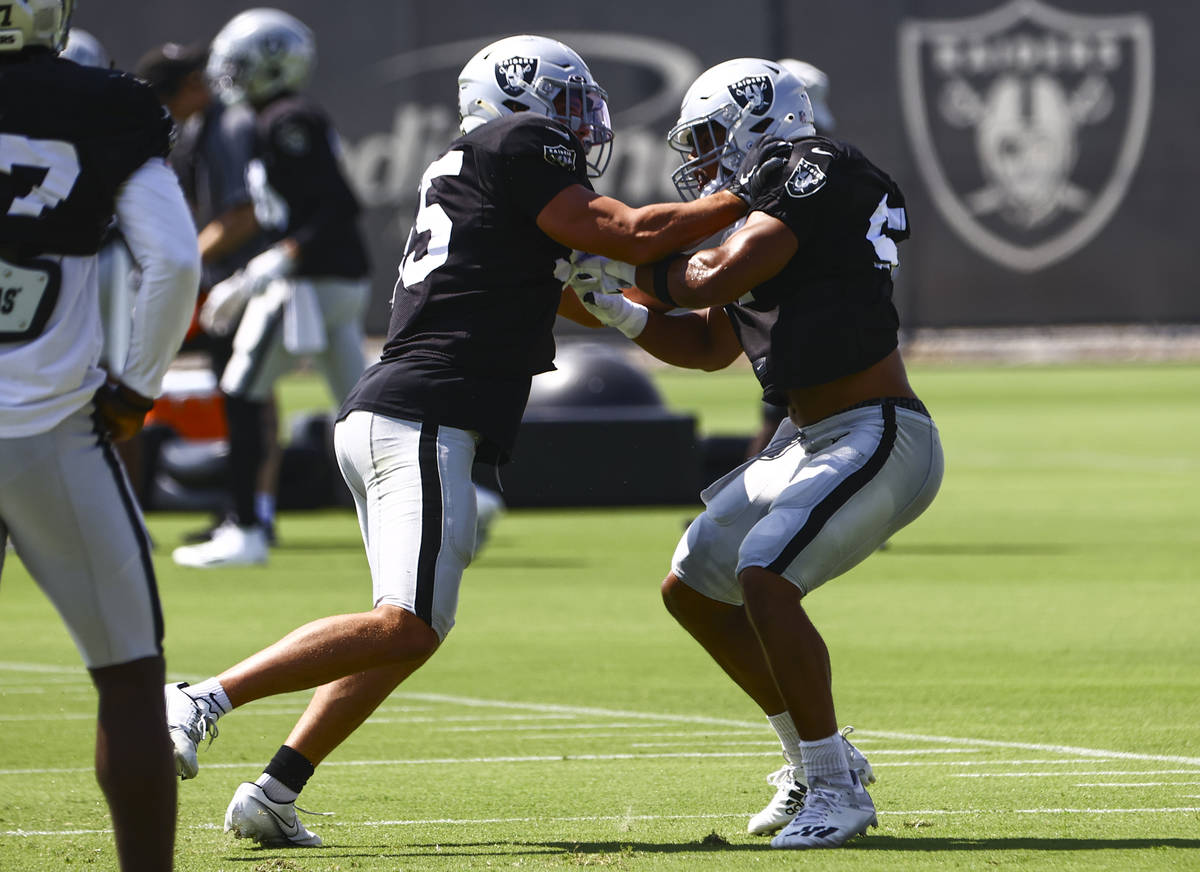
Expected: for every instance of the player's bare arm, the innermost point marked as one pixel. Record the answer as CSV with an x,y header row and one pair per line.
x,y
703,339
227,232
716,276
587,221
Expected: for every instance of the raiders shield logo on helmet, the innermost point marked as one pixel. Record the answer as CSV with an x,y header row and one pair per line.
x,y
515,72
559,155
755,93
1027,123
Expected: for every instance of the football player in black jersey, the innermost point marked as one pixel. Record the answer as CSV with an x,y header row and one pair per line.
x,y
472,319
79,145
305,296
804,290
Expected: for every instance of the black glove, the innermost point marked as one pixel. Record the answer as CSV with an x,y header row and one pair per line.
x,y
120,411
761,170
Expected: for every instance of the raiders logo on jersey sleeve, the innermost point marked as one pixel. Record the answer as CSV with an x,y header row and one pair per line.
x,y
560,156
809,173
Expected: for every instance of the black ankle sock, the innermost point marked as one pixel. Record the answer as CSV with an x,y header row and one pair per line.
x,y
290,767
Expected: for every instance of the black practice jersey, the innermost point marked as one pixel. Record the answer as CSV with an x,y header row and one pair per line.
x,y
69,138
299,190
829,312
473,311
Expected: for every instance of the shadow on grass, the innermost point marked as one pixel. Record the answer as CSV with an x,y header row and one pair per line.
x,y
503,848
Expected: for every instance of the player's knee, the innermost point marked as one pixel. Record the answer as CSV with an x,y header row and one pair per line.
x,y
673,594
766,592
406,638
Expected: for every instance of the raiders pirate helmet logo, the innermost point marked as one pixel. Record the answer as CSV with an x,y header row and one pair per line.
x,y
755,93
559,155
515,72
1027,123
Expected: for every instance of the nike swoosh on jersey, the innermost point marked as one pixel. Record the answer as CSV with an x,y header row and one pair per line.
x,y
818,150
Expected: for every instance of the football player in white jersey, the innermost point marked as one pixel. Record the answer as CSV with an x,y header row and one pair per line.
x,y
81,144
472,323
804,290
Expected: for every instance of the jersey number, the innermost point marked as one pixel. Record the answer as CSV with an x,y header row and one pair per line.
x,y
35,174
432,220
886,218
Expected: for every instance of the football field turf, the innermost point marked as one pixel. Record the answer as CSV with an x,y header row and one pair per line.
x,y
1022,666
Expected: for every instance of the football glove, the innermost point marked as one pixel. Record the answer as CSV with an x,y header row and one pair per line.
x,y
615,310
225,302
761,170
593,273
120,411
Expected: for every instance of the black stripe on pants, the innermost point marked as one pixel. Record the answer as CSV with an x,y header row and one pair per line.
x,y
431,521
134,514
840,495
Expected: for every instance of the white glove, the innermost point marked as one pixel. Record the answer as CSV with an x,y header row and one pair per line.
x,y
610,275
616,311
274,263
225,302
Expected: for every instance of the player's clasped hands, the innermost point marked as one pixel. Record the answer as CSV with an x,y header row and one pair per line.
x,y
594,274
598,282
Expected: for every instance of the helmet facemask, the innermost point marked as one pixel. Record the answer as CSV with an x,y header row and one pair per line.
x,y
708,152
583,108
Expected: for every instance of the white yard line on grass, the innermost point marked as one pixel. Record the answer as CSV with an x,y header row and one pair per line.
x,y
1137,783
676,755
1072,774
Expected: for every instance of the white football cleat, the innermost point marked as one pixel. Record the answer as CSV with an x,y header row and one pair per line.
x,y
830,817
230,545
784,805
188,720
791,787
858,763
252,815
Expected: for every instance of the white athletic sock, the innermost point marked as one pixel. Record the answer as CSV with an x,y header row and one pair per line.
x,y
789,739
825,761
211,694
275,789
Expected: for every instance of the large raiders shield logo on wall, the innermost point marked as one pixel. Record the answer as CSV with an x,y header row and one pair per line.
x,y
1027,123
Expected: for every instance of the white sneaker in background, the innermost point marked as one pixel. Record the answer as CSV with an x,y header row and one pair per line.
x,y
230,545
253,815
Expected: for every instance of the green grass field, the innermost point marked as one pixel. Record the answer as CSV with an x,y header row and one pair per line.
x,y
1022,665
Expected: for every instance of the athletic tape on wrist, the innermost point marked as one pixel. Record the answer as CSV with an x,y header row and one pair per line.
x,y
660,280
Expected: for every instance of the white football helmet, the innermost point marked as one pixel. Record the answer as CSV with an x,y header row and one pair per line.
x,y
259,54
816,83
28,23
85,50
725,112
537,74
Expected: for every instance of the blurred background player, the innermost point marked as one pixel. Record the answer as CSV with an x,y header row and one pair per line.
x,y
306,294
212,152
472,322
804,290
82,144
